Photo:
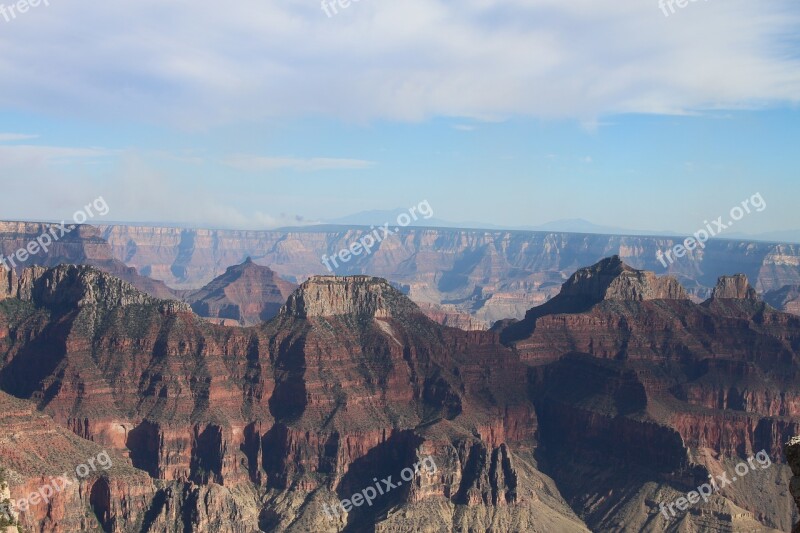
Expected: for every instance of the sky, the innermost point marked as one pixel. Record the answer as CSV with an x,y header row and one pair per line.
x,y
510,112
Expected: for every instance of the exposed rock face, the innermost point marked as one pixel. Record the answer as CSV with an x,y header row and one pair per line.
x,y
734,287
611,279
786,299
114,497
327,296
734,297
34,450
245,429
491,275
83,245
610,282
248,294
9,517
793,458
450,316
79,286
664,389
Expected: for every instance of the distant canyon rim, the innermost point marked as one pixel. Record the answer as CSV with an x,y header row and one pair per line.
x,y
481,275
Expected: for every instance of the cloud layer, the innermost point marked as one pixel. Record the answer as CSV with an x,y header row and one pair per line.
x,y
196,64
249,163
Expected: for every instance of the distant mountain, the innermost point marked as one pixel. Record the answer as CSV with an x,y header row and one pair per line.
x,y
490,275
247,293
83,246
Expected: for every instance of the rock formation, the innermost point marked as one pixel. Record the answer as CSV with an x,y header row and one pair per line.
x,y
34,450
8,515
793,458
78,286
611,279
734,287
614,396
113,497
449,315
491,275
83,245
329,296
663,389
247,294
351,381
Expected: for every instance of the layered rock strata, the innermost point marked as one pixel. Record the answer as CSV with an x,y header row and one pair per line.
x,y
242,429
661,392
246,294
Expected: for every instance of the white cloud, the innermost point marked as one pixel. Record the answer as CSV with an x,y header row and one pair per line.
x,y
25,154
201,63
250,163
8,137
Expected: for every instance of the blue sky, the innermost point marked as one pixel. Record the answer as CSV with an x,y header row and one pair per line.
x,y
257,115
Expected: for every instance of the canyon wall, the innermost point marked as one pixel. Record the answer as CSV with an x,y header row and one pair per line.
x,y
489,274
616,395
245,429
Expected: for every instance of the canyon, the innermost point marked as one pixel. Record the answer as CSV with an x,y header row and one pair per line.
x,y
617,394
262,426
488,274
621,358
465,278
620,390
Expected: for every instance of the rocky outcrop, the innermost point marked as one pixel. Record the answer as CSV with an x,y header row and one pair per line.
x,y
81,245
656,329
450,316
113,496
734,287
610,282
611,279
734,297
491,275
327,296
248,428
241,429
247,294
9,517
793,458
684,390
34,451
78,286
